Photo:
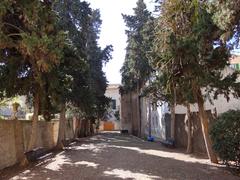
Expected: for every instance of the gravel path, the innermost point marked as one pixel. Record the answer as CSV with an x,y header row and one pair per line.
x,y
115,156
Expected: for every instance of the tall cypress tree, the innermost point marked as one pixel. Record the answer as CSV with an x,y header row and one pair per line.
x,y
88,82
136,68
96,58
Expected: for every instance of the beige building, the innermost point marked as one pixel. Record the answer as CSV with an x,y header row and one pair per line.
x,y
113,92
112,116
235,62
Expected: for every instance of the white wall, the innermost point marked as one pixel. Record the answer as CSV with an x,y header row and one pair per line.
x,y
221,104
113,92
158,126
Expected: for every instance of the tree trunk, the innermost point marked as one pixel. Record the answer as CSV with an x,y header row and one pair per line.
x,y
205,129
61,129
88,127
97,125
83,128
189,129
91,128
33,135
78,128
173,117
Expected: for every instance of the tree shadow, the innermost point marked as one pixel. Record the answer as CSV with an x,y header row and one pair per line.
x,y
113,156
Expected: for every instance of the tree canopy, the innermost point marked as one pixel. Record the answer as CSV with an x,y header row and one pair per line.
x,y
136,69
88,79
191,46
49,53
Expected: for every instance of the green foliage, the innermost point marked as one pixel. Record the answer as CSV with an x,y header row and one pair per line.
x,y
136,69
189,54
225,134
51,49
85,82
226,15
30,46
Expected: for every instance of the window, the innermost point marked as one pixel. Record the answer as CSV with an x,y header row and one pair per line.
x,y
113,104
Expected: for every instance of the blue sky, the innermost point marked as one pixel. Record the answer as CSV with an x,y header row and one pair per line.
x,y
113,31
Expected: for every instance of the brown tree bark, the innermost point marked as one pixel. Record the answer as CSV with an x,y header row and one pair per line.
x,y
78,128
84,127
87,128
97,125
61,129
205,126
33,135
189,129
91,128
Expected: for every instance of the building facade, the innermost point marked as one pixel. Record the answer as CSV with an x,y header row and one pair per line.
x,y
155,119
111,120
235,62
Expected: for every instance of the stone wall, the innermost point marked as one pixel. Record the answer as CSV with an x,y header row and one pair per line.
x,y
135,118
14,137
129,113
7,144
181,132
126,115
160,123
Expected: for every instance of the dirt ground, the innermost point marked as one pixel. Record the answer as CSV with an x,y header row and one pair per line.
x,y
116,156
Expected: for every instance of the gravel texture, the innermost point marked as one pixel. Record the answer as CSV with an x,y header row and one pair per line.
x,y
116,156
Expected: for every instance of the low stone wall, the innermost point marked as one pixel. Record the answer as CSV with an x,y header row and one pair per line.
x,y
7,144
14,137
197,138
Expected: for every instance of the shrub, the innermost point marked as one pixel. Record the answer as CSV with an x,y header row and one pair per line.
x,y
225,134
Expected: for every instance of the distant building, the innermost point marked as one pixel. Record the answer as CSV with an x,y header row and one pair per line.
x,y
113,93
111,120
235,62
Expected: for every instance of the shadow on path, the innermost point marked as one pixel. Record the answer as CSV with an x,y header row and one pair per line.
x,y
116,156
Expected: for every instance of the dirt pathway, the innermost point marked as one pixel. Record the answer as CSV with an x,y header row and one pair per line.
x,y
115,156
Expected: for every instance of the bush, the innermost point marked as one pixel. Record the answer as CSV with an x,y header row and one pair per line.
x,y
225,134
